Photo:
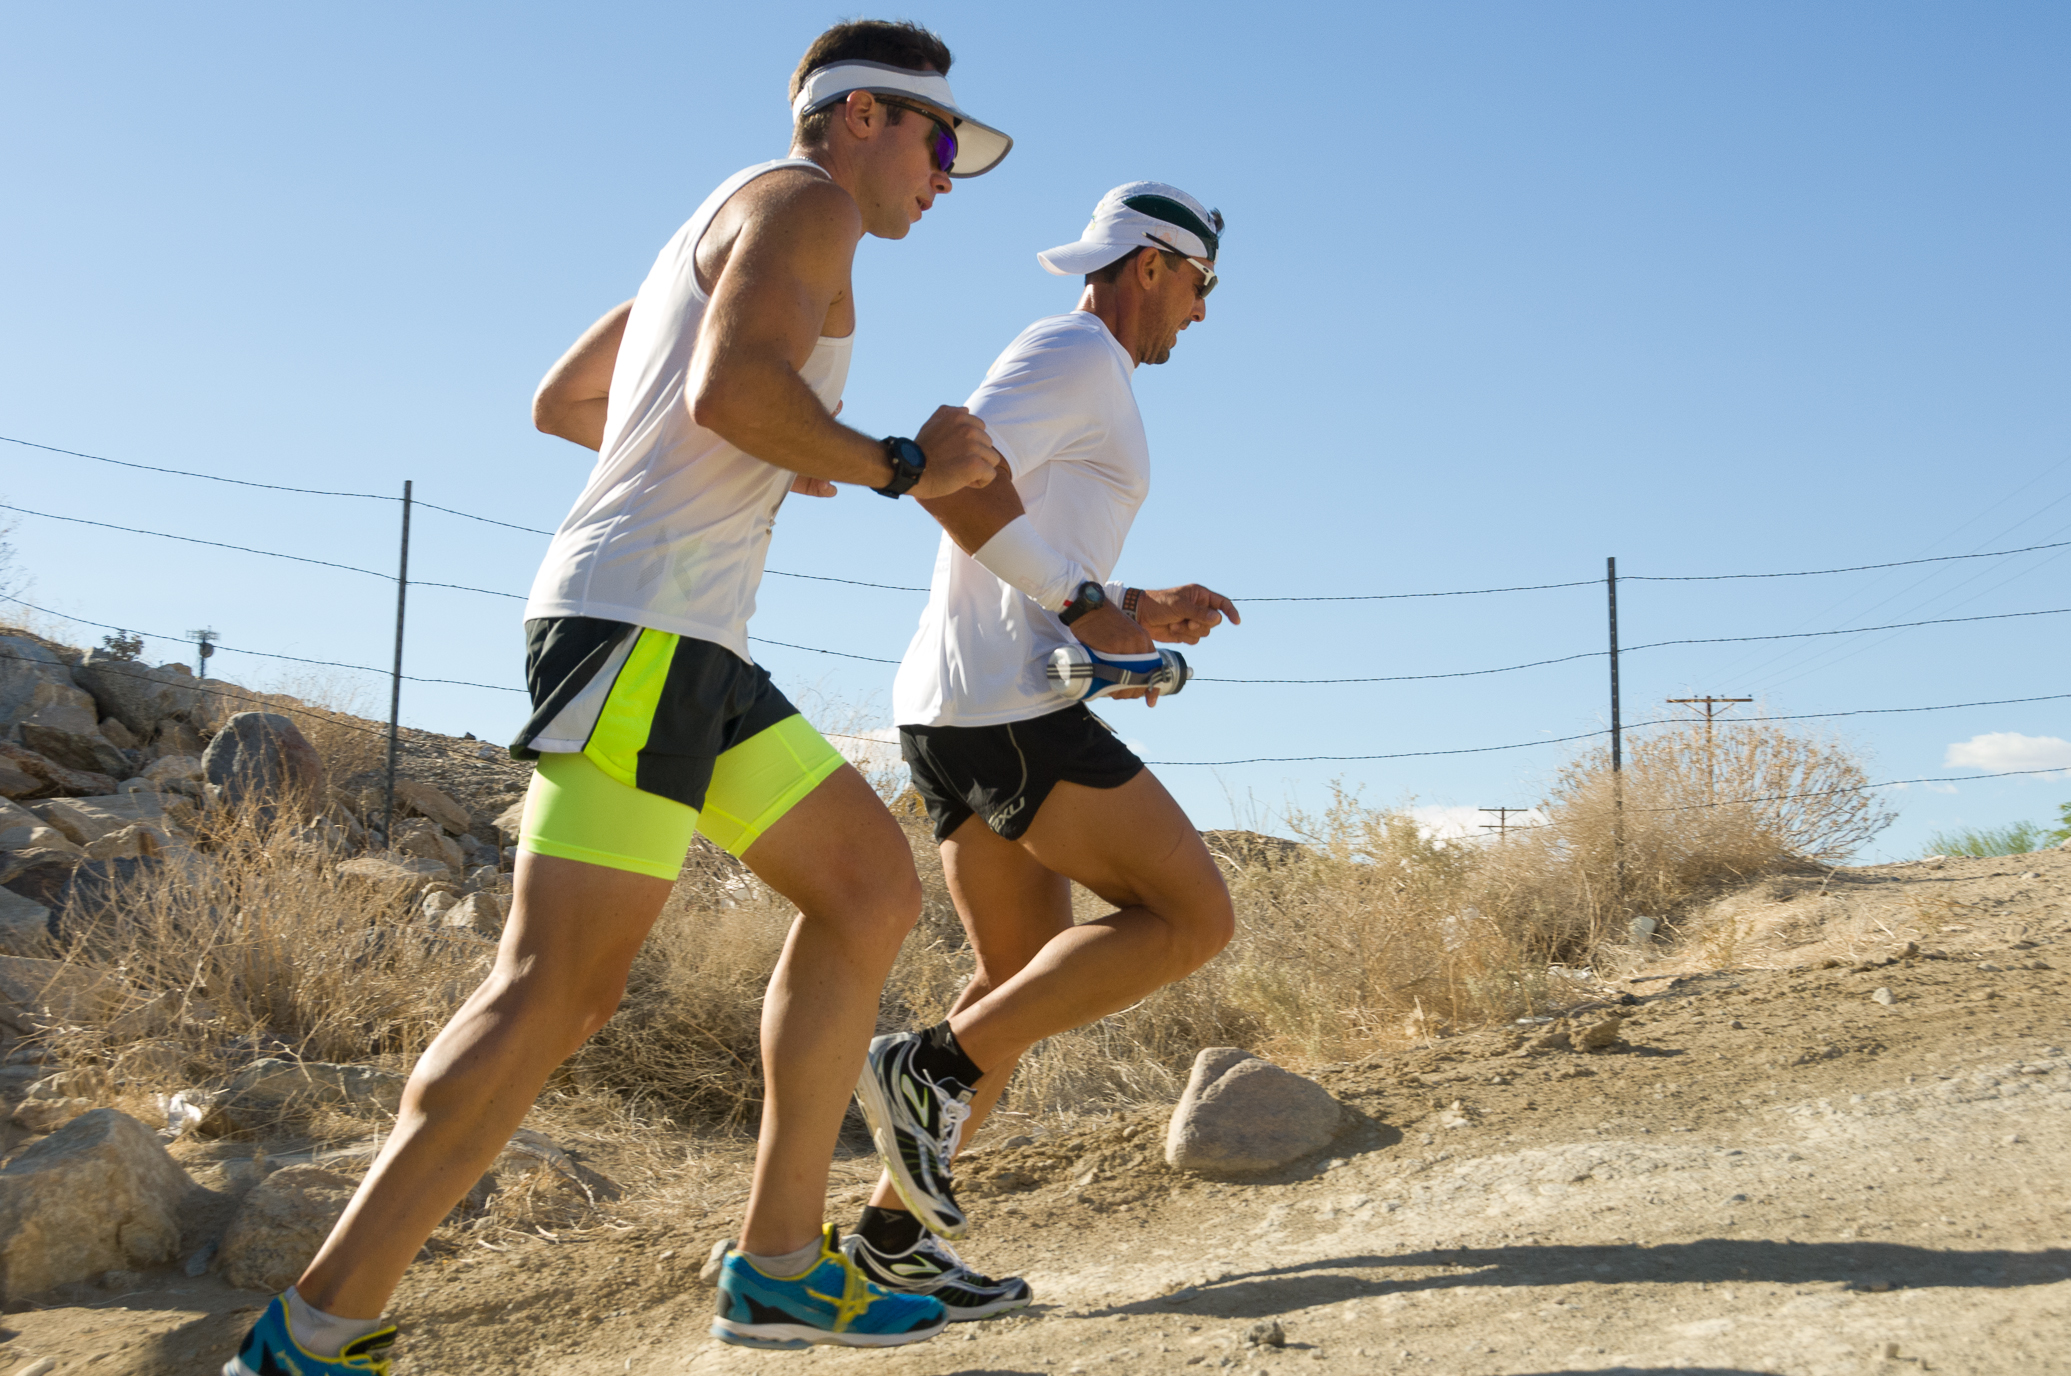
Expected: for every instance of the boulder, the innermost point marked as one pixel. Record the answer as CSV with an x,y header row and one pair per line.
x,y
170,769
482,913
1241,1115
54,779
88,750
21,829
280,1225
118,735
259,760
24,925
420,837
67,992
396,876
264,1091
32,678
99,1194
178,738
426,801
16,782
134,693
130,842
93,884
509,820
86,820
40,874
437,903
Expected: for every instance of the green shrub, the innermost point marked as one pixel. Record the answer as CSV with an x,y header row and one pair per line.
x,y
2016,838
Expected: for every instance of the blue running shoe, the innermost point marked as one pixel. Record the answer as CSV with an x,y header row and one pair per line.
x,y
832,1303
270,1350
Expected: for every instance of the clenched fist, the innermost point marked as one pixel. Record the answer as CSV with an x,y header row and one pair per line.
x,y
960,453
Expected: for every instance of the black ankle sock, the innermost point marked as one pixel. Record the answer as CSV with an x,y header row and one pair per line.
x,y
942,1058
888,1230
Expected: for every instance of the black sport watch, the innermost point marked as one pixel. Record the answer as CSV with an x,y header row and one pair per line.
x,y
908,464
1090,597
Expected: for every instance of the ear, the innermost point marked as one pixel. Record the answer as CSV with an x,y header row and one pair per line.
x,y
858,112
1146,267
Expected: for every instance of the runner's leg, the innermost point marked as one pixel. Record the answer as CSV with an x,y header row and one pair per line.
x,y
841,858
1011,906
560,971
1133,846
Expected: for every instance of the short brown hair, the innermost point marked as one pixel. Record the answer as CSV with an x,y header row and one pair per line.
x,y
896,44
1113,270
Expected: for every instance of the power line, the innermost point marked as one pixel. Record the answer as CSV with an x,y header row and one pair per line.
x,y
191,540
1636,726
185,473
261,654
1816,573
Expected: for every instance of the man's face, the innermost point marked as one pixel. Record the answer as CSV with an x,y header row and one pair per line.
x,y
903,179
1172,303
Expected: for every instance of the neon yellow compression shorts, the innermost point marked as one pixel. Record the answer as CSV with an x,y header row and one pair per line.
x,y
645,738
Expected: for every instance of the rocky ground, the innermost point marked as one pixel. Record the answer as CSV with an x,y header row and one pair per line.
x,y
1851,1161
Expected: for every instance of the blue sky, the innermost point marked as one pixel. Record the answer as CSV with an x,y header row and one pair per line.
x,y
1508,288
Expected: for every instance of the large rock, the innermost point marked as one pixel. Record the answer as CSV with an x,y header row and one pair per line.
x,y
52,778
24,925
40,874
416,836
173,770
86,820
88,749
21,829
134,693
1241,1115
262,759
100,1194
481,913
395,877
32,678
264,1091
16,782
67,992
280,1225
426,801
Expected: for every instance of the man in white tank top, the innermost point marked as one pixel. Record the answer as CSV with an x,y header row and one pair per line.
x,y
651,723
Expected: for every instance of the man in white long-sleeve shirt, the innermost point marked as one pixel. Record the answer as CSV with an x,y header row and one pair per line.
x,y
1027,789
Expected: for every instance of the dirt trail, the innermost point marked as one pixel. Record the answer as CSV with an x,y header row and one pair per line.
x,y
1776,1173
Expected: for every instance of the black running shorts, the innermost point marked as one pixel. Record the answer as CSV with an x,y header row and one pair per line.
x,y
1003,773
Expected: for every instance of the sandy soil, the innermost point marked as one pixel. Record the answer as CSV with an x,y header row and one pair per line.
x,y
1774,1173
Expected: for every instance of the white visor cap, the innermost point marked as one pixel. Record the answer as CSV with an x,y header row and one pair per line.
x,y
979,147
1138,215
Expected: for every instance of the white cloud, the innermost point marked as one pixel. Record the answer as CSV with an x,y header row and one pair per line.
x,y
1941,788
1454,823
2009,750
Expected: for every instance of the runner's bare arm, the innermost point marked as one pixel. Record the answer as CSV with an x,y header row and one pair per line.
x,y
572,396
786,268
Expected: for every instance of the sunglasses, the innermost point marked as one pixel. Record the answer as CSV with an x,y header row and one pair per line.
x,y
942,144
1207,268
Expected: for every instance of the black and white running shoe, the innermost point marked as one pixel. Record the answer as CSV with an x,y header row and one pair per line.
x,y
915,1120
932,1267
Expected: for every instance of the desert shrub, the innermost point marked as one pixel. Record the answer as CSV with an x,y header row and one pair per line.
x,y
1692,811
250,945
2015,838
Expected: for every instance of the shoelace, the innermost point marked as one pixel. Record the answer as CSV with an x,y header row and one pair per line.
x,y
855,1292
954,1112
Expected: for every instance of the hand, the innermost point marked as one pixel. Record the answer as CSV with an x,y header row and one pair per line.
x,y
812,487
1184,614
1109,630
960,453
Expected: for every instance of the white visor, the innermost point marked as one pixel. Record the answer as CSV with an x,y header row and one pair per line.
x,y
1138,215
979,147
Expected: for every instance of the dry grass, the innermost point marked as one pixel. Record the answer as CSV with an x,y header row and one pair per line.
x,y
1369,933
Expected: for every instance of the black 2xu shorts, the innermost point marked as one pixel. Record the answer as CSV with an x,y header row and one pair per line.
x,y
1003,773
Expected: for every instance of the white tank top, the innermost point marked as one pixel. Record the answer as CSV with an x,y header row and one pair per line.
x,y
673,527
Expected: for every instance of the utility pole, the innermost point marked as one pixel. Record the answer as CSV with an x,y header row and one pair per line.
x,y
395,687
204,649
1501,826
1711,706
1617,747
